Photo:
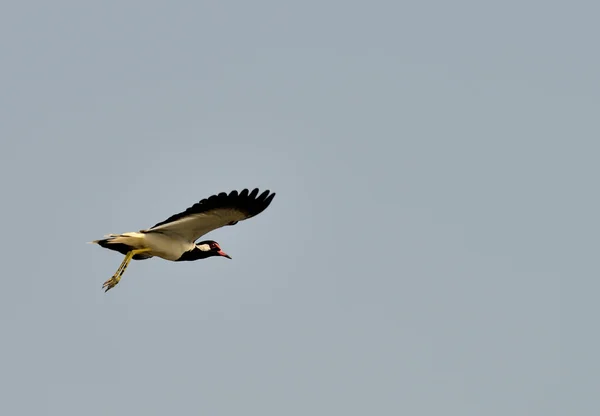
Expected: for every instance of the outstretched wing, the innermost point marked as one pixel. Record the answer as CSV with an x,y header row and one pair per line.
x,y
214,212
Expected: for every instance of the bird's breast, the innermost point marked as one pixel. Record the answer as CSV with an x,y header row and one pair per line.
x,y
166,246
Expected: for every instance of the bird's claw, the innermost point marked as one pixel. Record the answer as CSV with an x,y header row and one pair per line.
x,y
110,283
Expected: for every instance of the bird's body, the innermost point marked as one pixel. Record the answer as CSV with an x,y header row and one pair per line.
x,y
159,245
174,239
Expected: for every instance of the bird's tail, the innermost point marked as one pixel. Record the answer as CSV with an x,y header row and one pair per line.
x,y
123,243
103,241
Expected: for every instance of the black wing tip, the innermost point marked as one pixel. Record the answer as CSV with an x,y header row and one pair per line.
x,y
252,202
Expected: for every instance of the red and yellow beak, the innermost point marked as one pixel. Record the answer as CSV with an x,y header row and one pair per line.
x,y
222,253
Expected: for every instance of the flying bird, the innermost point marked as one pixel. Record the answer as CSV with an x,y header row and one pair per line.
x,y
175,238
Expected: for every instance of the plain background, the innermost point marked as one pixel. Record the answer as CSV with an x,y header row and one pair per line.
x,y
432,248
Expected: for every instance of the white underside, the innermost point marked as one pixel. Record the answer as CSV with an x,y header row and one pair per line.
x,y
165,247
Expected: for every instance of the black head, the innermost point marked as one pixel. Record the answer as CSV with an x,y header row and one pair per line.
x,y
203,250
211,248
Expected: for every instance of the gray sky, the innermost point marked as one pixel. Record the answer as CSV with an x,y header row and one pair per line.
x,y
431,250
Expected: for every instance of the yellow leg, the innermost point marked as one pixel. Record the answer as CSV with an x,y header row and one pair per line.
x,y
113,281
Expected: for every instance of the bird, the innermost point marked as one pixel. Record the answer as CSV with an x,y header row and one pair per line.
x,y
174,239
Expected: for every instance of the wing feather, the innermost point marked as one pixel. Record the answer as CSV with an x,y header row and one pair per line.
x,y
214,212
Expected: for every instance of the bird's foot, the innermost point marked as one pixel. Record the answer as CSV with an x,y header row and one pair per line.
x,y
110,283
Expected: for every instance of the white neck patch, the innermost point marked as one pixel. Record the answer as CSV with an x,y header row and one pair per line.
x,y
204,247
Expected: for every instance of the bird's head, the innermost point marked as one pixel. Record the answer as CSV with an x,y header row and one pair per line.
x,y
211,248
